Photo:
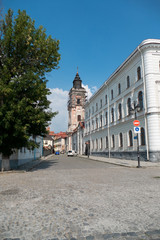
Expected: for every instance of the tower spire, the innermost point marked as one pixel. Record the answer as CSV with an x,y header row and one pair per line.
x,y
77,69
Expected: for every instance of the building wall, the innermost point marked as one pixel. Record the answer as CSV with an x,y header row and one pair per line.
x,y
149,85
22,156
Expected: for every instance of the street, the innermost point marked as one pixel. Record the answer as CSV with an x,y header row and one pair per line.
x,y
77,198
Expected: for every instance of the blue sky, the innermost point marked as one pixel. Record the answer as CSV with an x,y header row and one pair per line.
x,y
95,35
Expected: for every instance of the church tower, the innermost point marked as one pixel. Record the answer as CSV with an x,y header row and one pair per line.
x,y
77,99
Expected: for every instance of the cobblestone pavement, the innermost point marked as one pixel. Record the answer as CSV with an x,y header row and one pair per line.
x,y
79,199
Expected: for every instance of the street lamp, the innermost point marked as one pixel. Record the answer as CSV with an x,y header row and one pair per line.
x,y
133,110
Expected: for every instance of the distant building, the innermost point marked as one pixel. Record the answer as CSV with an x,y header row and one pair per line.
x,y
48,142
109,112
60,142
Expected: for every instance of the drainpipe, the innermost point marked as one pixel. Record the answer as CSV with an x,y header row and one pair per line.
x,y
109,154
145,103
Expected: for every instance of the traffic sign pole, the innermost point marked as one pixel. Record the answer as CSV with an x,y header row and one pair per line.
x,y
137,130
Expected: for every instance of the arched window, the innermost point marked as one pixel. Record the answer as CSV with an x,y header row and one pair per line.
x,y
119,88
140,100
78,101
112,114
92,124
111,94
101,121
142,137
128,82
106,99
120,111
79,118
101,103
106,141
106,118
96,106
138,73
113,141
101,143
96,143
92,144
129,106
120,140
96,123
130,138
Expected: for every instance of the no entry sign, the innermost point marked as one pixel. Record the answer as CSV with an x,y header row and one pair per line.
x,y
136,123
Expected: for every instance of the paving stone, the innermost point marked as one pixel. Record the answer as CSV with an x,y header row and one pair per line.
x,y
79,199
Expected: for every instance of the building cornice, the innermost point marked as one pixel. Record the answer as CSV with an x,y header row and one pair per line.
x,y
143,45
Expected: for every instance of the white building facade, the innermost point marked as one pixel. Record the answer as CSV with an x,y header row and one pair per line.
x,y
24,155
109,128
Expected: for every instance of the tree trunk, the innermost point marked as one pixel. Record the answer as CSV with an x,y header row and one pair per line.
x,y
5,166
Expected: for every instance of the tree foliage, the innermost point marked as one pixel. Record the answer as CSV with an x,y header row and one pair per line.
x,y
26,54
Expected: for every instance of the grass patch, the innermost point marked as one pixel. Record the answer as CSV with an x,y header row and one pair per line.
x,y
157,177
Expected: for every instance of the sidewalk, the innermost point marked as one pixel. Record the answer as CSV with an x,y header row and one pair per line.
x,y
123,162
28,166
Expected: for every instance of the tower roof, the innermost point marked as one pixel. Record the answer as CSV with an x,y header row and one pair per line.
x,y
77,83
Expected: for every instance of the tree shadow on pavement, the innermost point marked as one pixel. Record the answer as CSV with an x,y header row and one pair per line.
x,y
44,165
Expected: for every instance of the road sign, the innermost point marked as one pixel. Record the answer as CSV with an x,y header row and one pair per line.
x,y
136,123
137,129
135,137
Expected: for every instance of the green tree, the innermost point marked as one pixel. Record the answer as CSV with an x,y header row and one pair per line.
x,y
26,55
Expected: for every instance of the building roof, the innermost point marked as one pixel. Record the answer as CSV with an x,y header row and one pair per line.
x,y
48,137
143,44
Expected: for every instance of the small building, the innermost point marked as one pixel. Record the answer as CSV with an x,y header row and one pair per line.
x,y
60,142
24,155
48,142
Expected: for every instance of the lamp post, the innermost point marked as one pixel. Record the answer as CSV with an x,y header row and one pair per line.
x,y
134,110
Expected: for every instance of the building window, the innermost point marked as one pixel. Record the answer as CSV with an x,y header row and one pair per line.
x,y
140,100
101,121
119,88
79,118
111,94
101,103
92,110
92,144
89,112
138,73
106,118
96,106
120,111
101,143
128,82
106,99
106,141
120,140
112,114
130,139
129,106
96,123
92,124
142,137
96,143
113,141
78,101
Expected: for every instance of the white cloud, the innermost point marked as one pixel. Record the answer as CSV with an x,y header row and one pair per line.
x,y
90,91
59,99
